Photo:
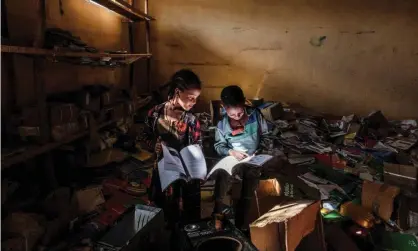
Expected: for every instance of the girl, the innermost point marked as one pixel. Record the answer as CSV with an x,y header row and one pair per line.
x,y
172,124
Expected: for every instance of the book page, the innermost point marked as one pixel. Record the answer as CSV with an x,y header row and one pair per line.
x,y
226,164
195,162
257,160
171,159
229,162
167,176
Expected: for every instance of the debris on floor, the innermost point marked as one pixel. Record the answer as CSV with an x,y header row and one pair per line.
x,y
363,171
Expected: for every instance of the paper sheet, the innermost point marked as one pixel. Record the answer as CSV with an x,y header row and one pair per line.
x,y
324,186
171,160
194,161
166,176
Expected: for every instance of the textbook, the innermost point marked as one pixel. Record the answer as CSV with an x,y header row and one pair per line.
x,y
228,163
187,164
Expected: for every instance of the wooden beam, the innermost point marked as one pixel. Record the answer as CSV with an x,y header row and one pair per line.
x,y
59,53
148,46
124,9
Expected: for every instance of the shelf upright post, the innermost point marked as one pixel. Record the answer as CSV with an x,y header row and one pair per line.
x,y
148,47
38,68
131,50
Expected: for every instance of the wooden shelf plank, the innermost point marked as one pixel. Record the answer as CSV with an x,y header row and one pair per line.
x,y
58,53
124,9
34,151
96,59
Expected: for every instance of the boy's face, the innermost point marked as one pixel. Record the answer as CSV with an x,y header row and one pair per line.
x,y
235,112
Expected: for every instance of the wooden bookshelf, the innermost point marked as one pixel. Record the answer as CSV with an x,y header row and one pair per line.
x,y
33,151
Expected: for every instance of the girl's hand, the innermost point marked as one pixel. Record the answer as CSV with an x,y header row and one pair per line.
x,y
158,147
238,155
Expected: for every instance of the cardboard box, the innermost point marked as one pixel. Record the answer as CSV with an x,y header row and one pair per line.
x,y
284,226
379,198
134,229
279,223
273,112
403,176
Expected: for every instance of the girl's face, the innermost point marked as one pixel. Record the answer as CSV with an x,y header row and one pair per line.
x,y
188,98
235,112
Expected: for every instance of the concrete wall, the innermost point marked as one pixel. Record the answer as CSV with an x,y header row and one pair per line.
x,y
95,25
331,55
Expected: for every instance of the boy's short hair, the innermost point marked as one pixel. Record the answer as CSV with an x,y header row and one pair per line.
x,y
232,96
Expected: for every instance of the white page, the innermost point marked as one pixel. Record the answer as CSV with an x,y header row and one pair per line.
x,y
229,162
166,176
226,163
171,161
257,160
195,162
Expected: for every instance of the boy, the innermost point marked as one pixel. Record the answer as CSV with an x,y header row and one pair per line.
x,y
239,134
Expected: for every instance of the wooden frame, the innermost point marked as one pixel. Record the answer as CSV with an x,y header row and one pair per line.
x,y
125,10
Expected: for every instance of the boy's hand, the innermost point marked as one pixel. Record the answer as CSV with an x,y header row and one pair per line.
x,y
238,155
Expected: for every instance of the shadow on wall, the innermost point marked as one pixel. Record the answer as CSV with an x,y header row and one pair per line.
x,y
187,52
367,61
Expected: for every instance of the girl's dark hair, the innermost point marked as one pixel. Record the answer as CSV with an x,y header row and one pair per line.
x,y
232,96
183,80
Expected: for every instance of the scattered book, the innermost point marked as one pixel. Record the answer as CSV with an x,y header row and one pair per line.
x,y
300,159
401,143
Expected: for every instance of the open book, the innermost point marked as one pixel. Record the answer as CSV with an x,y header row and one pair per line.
x,y
187,164
228,163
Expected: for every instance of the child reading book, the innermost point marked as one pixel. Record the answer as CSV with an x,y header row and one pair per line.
x,y
172,125
238,134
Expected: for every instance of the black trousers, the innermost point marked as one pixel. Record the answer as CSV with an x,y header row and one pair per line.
x,y
181,200
250,177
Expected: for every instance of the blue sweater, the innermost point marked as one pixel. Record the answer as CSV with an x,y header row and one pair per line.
x,y
247,141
